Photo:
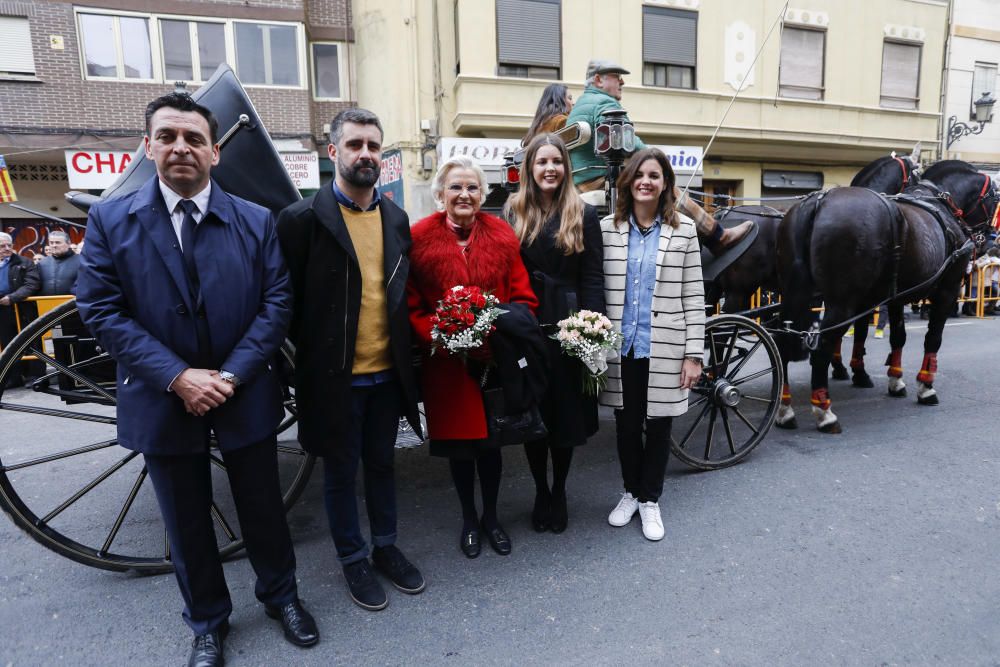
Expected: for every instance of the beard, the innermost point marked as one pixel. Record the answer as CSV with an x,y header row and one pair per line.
x,y
363,173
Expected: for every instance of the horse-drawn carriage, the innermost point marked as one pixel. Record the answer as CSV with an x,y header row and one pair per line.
x,y
65,482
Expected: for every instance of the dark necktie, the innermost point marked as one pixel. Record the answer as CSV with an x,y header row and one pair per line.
x,y
189,230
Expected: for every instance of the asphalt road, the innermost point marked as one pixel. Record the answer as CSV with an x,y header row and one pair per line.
x,y
878,546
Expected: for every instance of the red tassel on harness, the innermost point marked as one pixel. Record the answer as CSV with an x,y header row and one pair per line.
x,y
786,394
895,363
929,368
821,399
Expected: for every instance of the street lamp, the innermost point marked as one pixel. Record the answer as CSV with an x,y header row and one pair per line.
x,y
984,114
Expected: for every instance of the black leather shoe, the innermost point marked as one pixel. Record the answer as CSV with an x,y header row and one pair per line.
x,y
403,574
558,516
470,543
363,587
206,650
298,624
498,539
540,513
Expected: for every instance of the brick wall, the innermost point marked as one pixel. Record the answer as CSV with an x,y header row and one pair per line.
x,y
63,99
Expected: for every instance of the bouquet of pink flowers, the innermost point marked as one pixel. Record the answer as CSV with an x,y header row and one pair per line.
x,y
590,337
463,319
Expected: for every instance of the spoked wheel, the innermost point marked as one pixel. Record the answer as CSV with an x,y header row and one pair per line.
x,y
64,480
734,404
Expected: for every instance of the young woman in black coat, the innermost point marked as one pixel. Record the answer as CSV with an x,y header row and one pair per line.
x,y
562,250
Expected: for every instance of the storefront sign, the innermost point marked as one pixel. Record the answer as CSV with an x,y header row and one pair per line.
x,y
303,169
486,152
95,170
490,152
390,180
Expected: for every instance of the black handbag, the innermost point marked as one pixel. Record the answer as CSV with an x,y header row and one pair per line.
x,y
515,429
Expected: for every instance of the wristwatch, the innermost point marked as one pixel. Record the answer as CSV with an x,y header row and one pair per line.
x,y
232,379
697,360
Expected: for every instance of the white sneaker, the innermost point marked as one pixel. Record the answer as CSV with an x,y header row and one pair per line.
x,y
652,524
623,511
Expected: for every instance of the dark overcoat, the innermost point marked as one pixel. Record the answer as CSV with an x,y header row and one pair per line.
x,y
134,297
326,283
564,284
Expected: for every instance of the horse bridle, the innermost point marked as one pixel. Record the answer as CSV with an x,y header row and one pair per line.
x,y
988,195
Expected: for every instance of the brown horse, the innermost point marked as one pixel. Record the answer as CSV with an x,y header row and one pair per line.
x,y
857,248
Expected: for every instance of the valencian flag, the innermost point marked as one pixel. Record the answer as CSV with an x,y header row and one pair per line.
x,y
6,187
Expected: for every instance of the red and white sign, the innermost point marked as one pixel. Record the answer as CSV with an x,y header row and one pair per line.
x,y
303,169
95,170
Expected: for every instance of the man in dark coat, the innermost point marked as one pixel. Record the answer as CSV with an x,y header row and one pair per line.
x,y
346,249
18,280
184,285
58,270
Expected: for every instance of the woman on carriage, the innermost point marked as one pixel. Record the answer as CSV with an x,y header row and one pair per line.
x,y
561,248
463,246
553,110
655,297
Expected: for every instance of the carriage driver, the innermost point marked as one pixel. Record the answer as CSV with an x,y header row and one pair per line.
x,y
604,92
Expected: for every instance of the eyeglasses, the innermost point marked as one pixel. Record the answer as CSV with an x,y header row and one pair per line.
x,y
459,189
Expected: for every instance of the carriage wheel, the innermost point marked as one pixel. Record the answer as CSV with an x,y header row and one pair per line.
x,y
733,406
64,480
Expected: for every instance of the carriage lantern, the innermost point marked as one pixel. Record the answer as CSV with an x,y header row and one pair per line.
x,y
984,114
614,141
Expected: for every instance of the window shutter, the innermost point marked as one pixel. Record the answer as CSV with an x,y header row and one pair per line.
x,y
529,32
802,62
669,36
900,75
15,35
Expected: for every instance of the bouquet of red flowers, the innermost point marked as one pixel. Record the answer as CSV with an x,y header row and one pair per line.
x,y
463,319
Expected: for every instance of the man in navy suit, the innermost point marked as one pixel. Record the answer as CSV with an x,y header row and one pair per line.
x,y
184,285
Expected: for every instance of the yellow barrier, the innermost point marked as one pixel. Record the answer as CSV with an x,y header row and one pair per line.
x,y
44,304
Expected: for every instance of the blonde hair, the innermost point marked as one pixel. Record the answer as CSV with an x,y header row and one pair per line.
x,y
525,209
457,162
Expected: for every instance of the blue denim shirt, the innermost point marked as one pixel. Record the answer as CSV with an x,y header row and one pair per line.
x,y
347,202
4,277
640,281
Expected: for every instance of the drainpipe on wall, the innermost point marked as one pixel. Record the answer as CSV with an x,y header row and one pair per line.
x,y
944,82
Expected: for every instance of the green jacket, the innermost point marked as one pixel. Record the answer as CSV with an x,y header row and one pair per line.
x,y
589,107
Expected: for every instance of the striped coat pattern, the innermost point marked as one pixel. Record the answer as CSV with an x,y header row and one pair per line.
x,y
678,313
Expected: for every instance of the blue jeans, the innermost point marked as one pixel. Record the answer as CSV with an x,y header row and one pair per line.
x,y
375,411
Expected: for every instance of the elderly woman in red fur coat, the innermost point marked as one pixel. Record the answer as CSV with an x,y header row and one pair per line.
x,y
463,246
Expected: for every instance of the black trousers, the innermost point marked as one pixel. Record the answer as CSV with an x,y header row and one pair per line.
x,y
643,460
183,486
8,330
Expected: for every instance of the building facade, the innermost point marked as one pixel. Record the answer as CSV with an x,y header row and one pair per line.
x,y
835,86
75,78
973,57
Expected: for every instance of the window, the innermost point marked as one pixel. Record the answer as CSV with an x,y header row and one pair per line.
x,y
267,54
984,80
192,50
329,67
116,47
168,48
669,47
800,73
900,76
18,59
529,38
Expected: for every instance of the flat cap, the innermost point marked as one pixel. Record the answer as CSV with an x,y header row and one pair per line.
x,y
598,66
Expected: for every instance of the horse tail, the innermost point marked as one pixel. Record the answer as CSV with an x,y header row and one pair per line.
x,y
797,281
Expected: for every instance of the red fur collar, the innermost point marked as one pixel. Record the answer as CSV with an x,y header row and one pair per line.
x,y
436,256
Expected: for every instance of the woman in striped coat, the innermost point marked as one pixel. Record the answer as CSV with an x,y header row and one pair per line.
x,y
655,297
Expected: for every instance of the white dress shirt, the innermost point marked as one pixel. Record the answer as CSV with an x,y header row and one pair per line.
x,y
172,199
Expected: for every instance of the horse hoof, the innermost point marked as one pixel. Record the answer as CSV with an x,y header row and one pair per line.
x,y
898,393
790,424
832,427
928,400
840,373
862,380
